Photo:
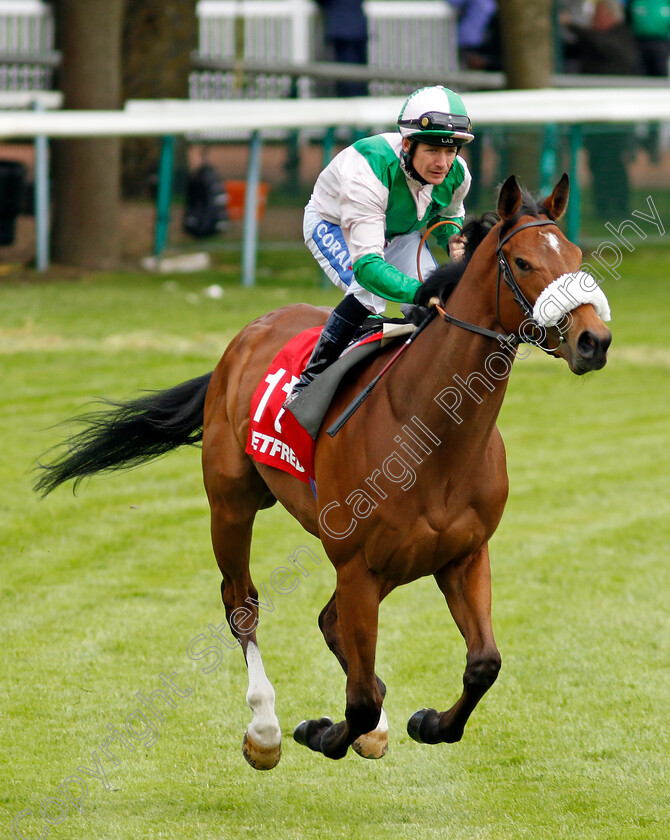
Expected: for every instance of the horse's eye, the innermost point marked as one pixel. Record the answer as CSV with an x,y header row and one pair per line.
x,y
522,264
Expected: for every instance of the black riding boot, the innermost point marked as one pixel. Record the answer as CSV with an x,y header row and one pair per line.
x,y
338,331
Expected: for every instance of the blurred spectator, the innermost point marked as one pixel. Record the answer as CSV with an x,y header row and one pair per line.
x,y
478,39
604,41
605,45
346,35
573,13
650,23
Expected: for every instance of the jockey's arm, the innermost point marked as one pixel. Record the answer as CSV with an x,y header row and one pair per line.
x,y
449,236
380,277
377,276
364,226
444,233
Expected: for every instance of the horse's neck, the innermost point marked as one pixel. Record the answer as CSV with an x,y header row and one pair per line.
x,y
456,376
474,298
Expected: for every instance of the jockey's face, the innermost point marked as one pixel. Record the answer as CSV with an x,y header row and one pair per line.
x,y
431,162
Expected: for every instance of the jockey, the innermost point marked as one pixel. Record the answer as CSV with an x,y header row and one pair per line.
x,y
363,219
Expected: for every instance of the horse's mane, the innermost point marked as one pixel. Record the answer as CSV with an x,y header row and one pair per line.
x,y
442,282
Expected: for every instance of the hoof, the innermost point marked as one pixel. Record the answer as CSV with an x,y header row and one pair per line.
x,y
414,724
372,745
308,733
260,758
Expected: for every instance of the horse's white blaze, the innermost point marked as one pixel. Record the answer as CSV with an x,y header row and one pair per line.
x,y
552,240
264,728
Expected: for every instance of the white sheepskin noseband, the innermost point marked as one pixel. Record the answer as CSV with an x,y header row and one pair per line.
x,y
566,293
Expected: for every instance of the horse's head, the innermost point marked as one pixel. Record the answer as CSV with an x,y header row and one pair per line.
x,y
542,294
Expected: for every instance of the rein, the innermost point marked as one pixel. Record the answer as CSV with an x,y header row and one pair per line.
x,y
508,339
423,242
504,273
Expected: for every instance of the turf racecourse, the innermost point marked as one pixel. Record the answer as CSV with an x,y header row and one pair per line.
x,y
103,592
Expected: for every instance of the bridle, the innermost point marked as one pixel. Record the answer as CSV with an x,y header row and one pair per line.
x,y
504,273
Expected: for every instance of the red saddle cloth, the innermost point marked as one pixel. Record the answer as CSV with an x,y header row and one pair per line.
x,y
275,436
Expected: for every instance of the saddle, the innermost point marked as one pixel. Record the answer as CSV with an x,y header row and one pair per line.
x,y
309,407
284,438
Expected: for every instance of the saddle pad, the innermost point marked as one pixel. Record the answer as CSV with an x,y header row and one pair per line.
x,y
276,437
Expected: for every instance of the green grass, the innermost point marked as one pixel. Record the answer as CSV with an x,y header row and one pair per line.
x,y
101,593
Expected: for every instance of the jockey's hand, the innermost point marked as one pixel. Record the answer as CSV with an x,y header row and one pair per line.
x,y
457,246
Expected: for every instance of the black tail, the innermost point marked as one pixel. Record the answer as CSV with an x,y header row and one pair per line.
x,y
129,434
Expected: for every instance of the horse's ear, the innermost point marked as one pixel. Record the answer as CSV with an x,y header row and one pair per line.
x,y
509,199
558,200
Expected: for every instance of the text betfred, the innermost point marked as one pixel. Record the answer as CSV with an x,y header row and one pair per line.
x,y
275,448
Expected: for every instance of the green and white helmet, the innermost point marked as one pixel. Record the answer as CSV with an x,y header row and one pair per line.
x,y
437,116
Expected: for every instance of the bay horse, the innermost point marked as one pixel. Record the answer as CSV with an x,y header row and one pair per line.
x,y
432,417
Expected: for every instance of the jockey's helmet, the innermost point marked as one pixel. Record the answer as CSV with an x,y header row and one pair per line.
x,y
437,116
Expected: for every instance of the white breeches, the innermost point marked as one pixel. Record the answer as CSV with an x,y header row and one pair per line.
x,y
327,244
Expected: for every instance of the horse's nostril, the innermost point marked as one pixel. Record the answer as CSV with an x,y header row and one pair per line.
x,y
587,344
592,349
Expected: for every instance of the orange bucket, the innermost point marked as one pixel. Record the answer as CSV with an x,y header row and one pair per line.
x,y
236,192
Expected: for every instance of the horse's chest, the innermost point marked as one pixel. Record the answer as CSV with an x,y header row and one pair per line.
x,y
409,530
423,537
421,547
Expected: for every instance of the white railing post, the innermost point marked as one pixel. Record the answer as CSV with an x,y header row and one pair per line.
x,y
301,49
250,231
42,203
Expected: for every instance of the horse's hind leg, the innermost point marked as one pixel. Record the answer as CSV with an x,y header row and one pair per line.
x,y
236,492
373,744
231,539
467,589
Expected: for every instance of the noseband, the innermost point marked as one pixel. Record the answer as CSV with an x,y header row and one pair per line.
x,y
505,273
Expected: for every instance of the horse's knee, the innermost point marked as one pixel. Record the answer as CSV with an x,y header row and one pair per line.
x,y
481,672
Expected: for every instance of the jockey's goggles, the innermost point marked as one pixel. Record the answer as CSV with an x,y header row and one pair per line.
x,y
436,121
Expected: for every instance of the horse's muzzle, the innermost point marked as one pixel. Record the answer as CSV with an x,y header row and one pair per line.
x,y
590,352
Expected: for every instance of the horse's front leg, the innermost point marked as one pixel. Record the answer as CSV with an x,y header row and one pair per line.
x,y
467,589
372,744
357,598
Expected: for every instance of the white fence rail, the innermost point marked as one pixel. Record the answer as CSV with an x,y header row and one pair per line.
x,y
290,31
156,118
27,56
160,117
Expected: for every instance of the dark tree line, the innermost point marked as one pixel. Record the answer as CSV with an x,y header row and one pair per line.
x,y
112,51
526,31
